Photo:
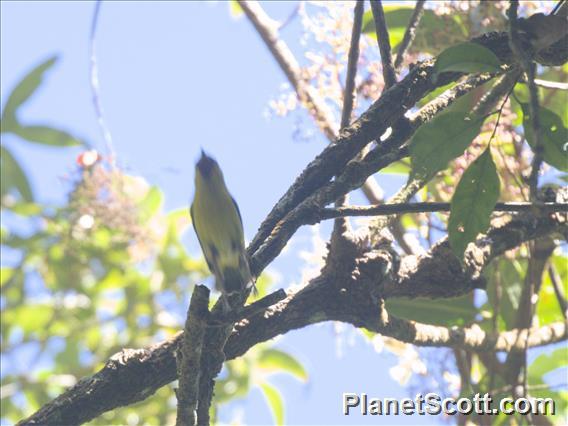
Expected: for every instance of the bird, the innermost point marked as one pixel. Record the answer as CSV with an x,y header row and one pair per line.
x,y
218,225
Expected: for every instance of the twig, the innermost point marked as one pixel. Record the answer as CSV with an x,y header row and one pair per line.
x,y
409,34
313,102
389,74
95,88
557,285
529,68
341,224
189,357
551,84
430,207
249,310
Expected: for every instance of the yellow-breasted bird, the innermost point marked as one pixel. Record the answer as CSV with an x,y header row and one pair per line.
x,y
219,228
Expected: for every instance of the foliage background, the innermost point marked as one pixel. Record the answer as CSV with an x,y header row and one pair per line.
x,y
98,260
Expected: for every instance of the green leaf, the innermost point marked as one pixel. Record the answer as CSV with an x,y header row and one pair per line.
x,y
440,140
546,363
27,209
46,135
13,177
5,275
275,401
235,9
275,360
397,168
509,275
473,201
151,203
447,312
25,88
466,57
553,136
428,33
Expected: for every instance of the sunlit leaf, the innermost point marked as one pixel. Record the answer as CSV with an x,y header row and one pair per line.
x,y
27,209
26,87
151,203
13,177
428,32
444,138
275,360
275,402
554,136
46,135
546,363
473,201
235,9
454,311
468,58
397,168
5,275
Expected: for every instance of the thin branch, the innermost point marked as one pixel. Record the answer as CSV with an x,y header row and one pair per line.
x,y
389,74
354,174
551,84
95,87
529,68
409,34
558,291
385,112
349,94
431,207
189,357
316,106
352,59
249,310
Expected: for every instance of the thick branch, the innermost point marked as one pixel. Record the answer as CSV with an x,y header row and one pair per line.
x,y
132,376
189,357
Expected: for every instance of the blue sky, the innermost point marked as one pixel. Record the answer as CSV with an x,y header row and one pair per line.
x,y
175,77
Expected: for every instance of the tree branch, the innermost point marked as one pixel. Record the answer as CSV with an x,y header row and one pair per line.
x,y
409,34
309,97
424,207
132,376
189,357
389,74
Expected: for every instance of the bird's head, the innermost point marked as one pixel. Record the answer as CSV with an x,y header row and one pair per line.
x,y
207,171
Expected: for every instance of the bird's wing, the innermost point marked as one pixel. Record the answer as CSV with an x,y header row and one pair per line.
x,y
203,248
238,211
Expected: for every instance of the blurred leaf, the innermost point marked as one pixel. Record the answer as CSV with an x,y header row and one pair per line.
x,y
13,177
397,168
453,311
429,31
25,88
511,277
468,58
275,402
553,136
546,363
46,135
440,140
27,209
151,203
473,201
5,275
235,9
274,360
548,310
